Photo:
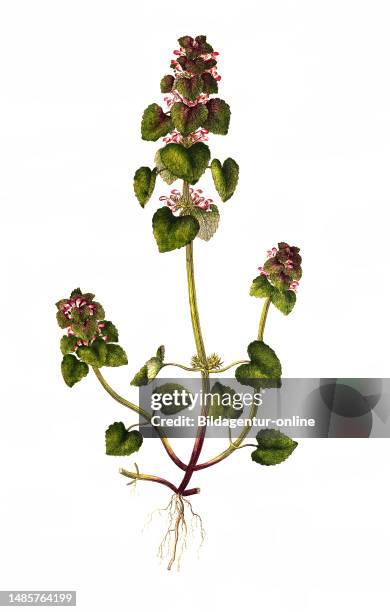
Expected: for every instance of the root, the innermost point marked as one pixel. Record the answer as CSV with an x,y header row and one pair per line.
x,y
180,526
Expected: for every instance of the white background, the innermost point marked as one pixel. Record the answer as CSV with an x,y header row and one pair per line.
x,y
310,97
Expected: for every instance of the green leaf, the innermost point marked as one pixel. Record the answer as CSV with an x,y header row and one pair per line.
x,y
218,116
68,344
155,123
144,182
264,369
187,164
196,47
149,371
208,221
116,356
186,42
119,441
203,47
141,378
95,354
210,85
265,357
225,177
182,402
78,291
110,331
224,403
73,370
166,176
189,87
273,447
166,83
284,300
187,119
173,232
261,287
62,320
160,353
85,330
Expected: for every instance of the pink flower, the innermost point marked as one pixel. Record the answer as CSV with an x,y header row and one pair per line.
x,y
174,200
174,96
214,73
199,135
198,200
262,271
283,267
174,136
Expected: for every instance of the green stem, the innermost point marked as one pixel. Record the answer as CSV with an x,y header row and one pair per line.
x,y
179,365
193,304
140,411
231,365
263,318
201,353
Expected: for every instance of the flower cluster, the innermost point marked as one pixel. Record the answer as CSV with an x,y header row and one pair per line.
x,y
175,200
174,97
182,65
195,58
283,266
81,317
200,135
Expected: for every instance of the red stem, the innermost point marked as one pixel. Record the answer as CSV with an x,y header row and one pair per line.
x,y
191,491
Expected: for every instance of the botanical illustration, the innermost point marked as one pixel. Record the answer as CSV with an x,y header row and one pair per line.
x,y
190,113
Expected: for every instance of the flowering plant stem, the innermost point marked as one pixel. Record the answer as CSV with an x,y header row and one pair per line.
x,y
263,318
201,353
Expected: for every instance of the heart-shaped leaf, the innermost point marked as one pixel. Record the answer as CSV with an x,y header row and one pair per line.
x,y
264,369
166,176
224,402
187,164
155,123
284,300
68,344
119,441
176,397
166,83
173,232
144,182
116,356
187,119
208,221
225,177
189,87
273,447
73,370
95,354
261,287
218,118
210,85
149,371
